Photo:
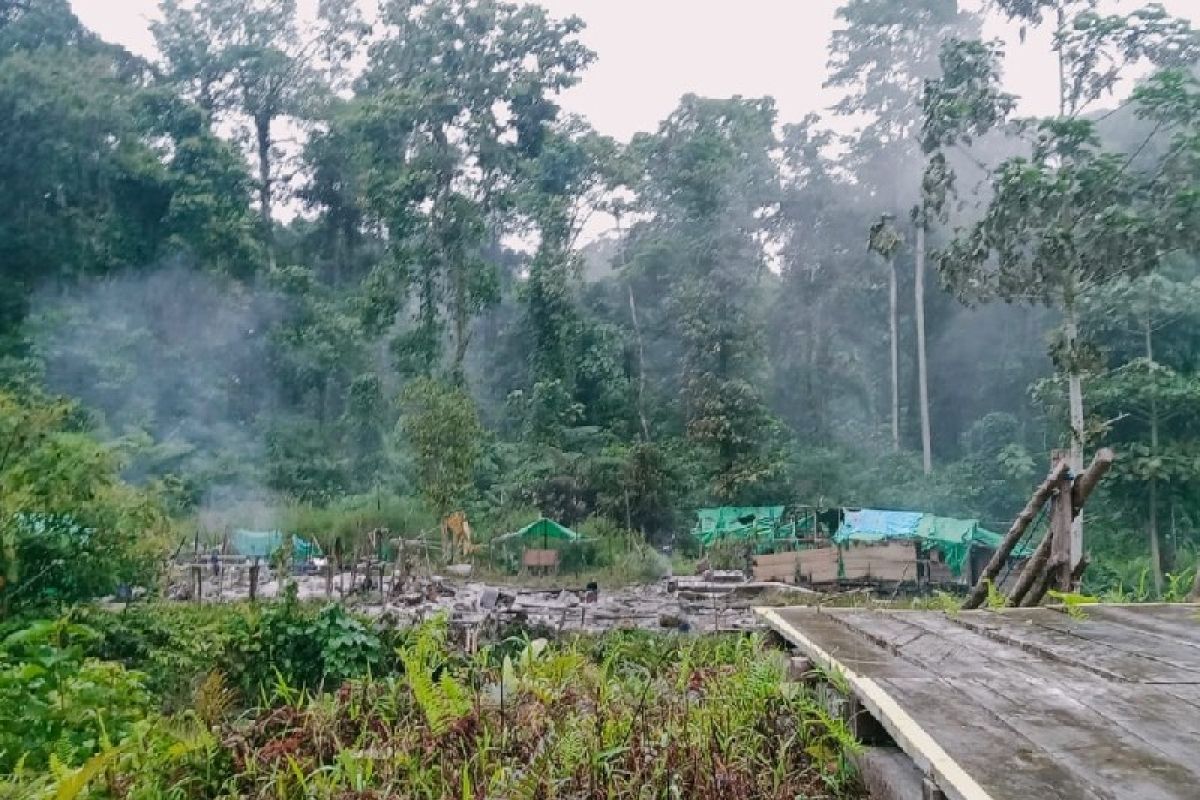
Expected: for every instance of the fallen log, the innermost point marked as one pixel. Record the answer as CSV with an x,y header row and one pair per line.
x,y
1020,524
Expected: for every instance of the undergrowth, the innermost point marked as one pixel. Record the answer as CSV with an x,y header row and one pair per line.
x,y
623,715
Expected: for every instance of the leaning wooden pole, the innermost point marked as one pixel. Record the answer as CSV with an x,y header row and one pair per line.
x,y
1034,568
1020,524
1087,482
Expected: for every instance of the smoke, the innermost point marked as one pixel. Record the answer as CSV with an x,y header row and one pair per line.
x,y
172,364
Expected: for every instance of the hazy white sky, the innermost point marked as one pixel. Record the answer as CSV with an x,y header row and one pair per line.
x,y
653,51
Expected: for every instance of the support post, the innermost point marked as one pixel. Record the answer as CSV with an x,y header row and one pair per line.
x,y
1015,532
254,568
197,582
1061,516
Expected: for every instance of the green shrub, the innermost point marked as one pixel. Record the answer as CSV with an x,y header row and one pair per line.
x,y
56,702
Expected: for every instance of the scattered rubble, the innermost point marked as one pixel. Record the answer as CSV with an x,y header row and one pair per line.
x,y
718,601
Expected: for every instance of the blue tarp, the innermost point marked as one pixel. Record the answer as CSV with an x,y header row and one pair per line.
x,y
871,523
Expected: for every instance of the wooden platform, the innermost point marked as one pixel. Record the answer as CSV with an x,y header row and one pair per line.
x,y
1025,703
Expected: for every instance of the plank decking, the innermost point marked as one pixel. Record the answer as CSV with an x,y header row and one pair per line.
x,y
1025,703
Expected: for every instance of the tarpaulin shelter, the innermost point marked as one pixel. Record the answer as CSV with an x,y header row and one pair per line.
x,y
263,544
952,537
745,523
542,531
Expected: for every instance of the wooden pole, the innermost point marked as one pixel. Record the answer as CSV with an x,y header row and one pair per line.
x,y
1087,482
1061,517
1035,597
254,580
1032,572
1020,524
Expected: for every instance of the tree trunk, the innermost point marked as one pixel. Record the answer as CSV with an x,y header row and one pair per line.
x,y
922,369
462,323
641,384
1156,569
262,130
894,327
1075,400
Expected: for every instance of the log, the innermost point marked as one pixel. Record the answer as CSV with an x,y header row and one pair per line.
x,y
1044,581
1040,496
1035,597
1102,461
1034,568
1061,515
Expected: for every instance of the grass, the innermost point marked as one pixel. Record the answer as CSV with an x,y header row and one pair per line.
x,y
625,715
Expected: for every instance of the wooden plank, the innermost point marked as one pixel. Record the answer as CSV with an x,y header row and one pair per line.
x,y
776,567
1112,744
909,735
1179,622
1058,643
819,565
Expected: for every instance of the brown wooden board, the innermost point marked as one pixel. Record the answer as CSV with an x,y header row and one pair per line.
x,y
1023,703
776,567
889,562
819,565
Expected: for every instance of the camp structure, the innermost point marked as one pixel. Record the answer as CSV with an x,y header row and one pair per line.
x,y
536,539
874,546
264,544
761,527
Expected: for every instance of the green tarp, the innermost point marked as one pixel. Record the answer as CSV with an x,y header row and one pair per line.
x,y
952,537
263,544
740,522
546,529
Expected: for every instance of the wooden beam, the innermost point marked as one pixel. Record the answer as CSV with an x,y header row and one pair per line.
x,y
925,752
1061,516
1015,532
1035,597
1034,568
1102,461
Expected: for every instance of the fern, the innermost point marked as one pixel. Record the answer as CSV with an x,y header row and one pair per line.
x,y
444,701
213,700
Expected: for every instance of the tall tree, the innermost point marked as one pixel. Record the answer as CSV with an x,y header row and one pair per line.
x,y
1069,217
455,96
885,240
882,58
709,184
257,63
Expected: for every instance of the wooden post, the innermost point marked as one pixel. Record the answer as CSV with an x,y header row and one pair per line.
x,y
1015,532
197,582
1061,516
254,580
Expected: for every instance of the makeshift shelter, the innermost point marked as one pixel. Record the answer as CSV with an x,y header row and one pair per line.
x,y
536,538
760,525
264,544
882,546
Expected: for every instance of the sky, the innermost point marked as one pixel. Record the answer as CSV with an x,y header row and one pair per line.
x,y
651,52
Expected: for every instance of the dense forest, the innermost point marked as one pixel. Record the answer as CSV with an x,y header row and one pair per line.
x,y
364,263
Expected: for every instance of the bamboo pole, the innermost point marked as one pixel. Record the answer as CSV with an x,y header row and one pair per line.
x,y
1020,524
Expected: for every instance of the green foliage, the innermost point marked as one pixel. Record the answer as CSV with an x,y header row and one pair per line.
x,y
609,716
71,529
442,430
57,704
